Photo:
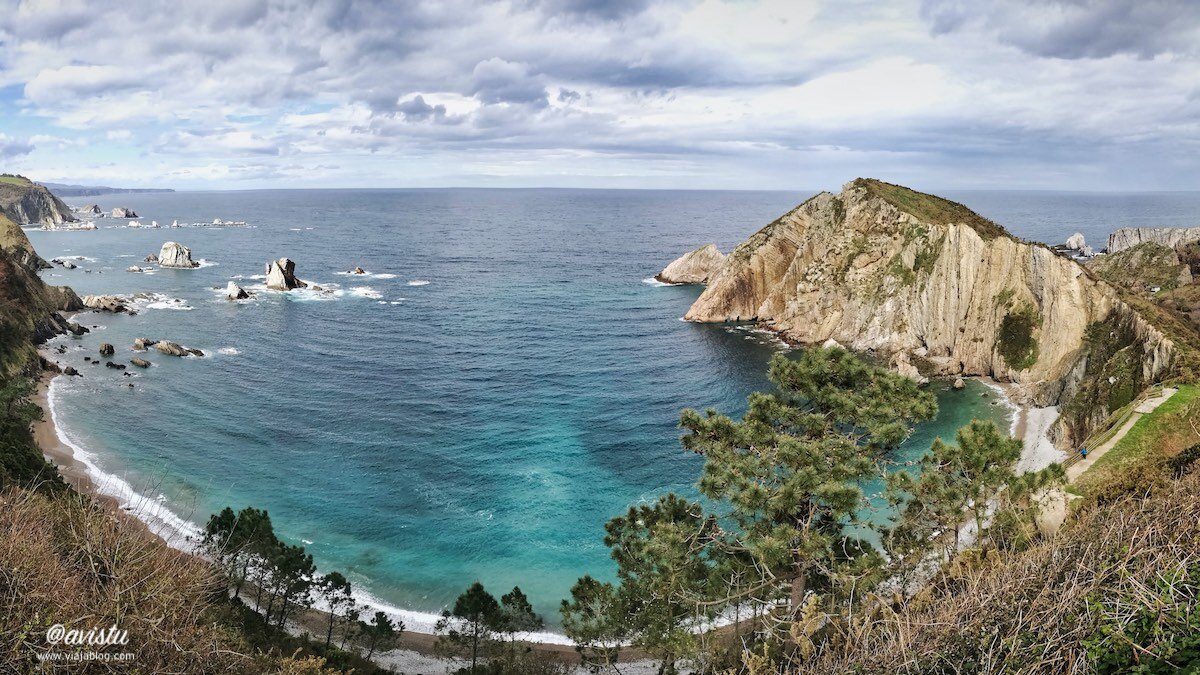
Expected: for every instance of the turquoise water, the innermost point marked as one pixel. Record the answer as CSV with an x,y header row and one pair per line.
x,y
502,383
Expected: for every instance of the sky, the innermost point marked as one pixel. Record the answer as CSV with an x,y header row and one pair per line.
x,y
1099,95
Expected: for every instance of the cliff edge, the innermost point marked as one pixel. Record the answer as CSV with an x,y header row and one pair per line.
x,y
882,268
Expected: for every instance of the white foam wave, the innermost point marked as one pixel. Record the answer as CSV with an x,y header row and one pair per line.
x,y
177,532
651,281
202,263
183,535
228,351
143,301
418,282
365,292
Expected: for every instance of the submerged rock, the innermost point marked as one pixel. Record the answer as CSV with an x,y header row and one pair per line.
x,y
695,267
176,255
958,383
281,275
235,292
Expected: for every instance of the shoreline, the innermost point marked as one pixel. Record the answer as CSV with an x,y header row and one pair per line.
x,y
415,647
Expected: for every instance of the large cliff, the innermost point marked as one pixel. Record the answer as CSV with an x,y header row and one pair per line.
x,y
886,269
25,202
29,308
1128,237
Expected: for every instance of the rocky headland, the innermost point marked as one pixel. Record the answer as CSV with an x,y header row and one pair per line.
x,y
928,285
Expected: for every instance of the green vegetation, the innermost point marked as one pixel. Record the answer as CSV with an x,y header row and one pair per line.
x,y
774,541
1157,436
1141,268
14,179
485,632
1015,340
930,208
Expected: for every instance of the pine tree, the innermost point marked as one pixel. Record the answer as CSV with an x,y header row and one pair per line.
x,y
789,473
471,624
335,590
594,618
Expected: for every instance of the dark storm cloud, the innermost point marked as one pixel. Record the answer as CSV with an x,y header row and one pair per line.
x,y
1076,29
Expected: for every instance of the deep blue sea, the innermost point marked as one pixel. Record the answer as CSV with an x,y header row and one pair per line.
x,y
502,382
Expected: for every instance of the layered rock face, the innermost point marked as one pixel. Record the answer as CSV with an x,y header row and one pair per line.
x,y
694,267
176,255
281,275
886,269
1128,237
25,202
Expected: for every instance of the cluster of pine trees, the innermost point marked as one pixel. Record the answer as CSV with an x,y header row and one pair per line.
x,y
283,581
783,549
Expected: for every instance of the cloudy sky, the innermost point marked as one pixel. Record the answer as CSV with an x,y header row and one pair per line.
x,y
1066,94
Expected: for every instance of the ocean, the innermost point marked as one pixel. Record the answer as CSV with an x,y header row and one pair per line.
x,y
505,378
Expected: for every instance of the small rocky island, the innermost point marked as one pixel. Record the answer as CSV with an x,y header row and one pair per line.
x,y
694,267
281,275
176,255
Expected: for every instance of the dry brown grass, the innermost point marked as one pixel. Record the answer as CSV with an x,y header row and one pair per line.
x,y
1035,611
68,561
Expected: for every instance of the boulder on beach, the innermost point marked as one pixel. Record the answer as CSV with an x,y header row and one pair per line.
x,y
176,255
281,275
107,303
1075,242
124,213
106,349
695,267
235,292
901,364
140,362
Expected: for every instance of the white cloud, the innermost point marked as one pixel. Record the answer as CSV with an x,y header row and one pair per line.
x,y
773,93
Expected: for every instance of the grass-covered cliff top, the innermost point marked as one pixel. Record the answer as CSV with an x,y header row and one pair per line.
x,y
14,179
930,208
1145,266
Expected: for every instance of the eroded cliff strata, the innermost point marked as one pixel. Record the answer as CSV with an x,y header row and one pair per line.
x,y
881,268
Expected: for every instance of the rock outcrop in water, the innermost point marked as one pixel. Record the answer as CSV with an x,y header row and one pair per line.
x,y
281,275
176,255
1076,242
235,292
107,303
120,212
694,267
886,269
1128,237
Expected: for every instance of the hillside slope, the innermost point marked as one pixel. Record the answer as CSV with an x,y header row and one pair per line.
x,y
886,269
25,202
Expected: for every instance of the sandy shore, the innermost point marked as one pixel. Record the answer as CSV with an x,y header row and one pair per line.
x,y
1032,425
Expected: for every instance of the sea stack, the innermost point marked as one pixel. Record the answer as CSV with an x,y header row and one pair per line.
x,y
124,213
176,255
1076,242
235,292
281,275
695,267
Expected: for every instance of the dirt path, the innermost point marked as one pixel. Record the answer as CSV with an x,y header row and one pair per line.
x,y
1147,406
